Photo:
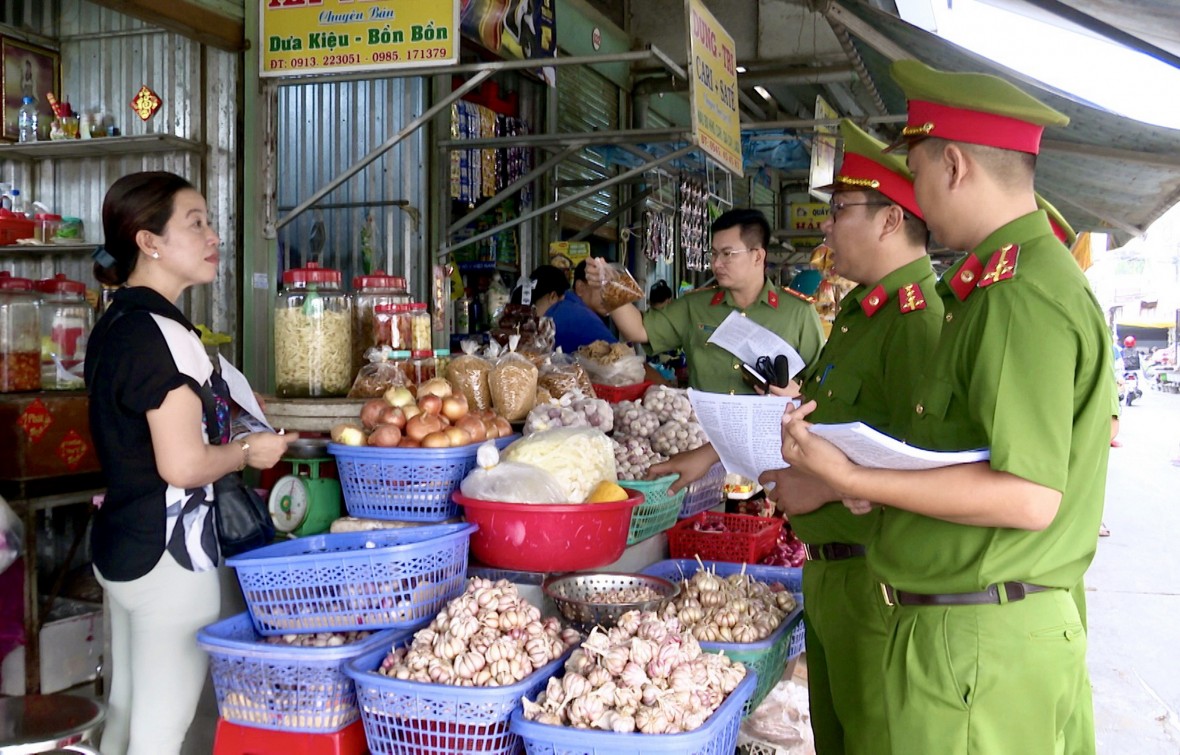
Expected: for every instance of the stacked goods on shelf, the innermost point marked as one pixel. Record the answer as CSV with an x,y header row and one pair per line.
x,y
452,688
752,614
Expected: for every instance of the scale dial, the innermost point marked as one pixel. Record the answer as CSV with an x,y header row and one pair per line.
x,y
289,502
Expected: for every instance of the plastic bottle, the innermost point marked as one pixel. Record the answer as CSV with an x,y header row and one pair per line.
x,y
27,120
18,202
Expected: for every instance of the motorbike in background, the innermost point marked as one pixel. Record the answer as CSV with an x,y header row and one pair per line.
x,y
1129,388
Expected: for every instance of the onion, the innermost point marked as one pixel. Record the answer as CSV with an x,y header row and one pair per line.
x,y
386,436
392,415
418,427
491,428
474,427
371,412
436,440
454,407
435,386
348,434
407,443
504,427
411,411
457,436
430,403
399,396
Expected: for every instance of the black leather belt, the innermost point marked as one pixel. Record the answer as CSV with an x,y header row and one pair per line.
x,y
1013,591
833,551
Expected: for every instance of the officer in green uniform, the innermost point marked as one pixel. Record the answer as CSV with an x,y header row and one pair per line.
x,y
885,331
739,265
987,647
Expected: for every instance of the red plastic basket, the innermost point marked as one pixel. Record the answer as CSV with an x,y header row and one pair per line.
x,y
746,539
613,394
549,536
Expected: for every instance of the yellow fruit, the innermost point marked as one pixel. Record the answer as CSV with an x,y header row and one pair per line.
x,y
607,491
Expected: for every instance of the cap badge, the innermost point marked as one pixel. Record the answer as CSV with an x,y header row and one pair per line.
x,y
923,130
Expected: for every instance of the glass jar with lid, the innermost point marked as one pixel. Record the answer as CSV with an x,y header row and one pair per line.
x,y
20,335
370,291
420,336
66,321
313,334
423,366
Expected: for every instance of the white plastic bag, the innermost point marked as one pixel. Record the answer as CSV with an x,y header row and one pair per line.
x,y
12,535
509,481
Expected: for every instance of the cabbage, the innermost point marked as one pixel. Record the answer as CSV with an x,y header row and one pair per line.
x,y
578,458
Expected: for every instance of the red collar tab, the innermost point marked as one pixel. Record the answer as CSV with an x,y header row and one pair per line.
x,y
874,300
860,172
717,298
910,299
973,126
772,298
964,280
1001,266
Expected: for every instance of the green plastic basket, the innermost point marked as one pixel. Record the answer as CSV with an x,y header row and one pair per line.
x,y
658,512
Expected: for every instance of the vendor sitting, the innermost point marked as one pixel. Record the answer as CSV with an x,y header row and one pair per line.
x,y
576,324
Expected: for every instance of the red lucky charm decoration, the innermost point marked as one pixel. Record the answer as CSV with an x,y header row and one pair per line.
x,y
146,103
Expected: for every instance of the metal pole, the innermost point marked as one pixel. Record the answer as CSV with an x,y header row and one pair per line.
x,y
569,200
582,139
410,128
511,189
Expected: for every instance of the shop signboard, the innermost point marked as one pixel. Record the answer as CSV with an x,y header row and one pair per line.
x,y
712,82
520,29
300,37
806,218
823,149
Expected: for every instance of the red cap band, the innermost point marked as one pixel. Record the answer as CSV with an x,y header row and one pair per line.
x,y
973,126
862,169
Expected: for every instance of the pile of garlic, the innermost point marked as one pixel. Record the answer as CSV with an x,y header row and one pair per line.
x,y
646,675
487,637
737,608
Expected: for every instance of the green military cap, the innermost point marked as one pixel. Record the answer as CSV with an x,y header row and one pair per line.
x,y
976,108
867,166
1061,227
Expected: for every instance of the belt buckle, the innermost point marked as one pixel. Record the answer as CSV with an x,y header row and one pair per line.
x,y
807,553
885,594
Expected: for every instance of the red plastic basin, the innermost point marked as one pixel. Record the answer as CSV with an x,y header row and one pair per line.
x,y
548,537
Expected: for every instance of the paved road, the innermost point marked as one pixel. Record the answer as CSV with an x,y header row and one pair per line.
x,y
1133,590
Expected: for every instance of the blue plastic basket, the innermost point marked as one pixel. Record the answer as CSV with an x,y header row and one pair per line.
x,y
717,736
356,580
414,718
283,687
768,656
407,484
705,493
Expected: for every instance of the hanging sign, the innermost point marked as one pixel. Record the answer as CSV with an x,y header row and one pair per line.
x,y
300,37
712,83
807,217
823,149
516,29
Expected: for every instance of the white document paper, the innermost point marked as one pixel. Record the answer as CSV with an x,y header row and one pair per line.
x,y
747,340
243,395
746,431
871,448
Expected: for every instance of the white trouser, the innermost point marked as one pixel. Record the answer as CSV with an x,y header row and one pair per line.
x,y
157,670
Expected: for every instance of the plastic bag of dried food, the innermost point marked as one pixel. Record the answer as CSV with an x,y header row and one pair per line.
x,y
619,287
562,374
376,377
578,457
513,384
611,364
510,481
469,374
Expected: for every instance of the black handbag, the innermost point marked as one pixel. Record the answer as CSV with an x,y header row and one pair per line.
x,y
242,517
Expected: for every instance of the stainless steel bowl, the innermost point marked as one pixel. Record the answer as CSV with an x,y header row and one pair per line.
x,y
578,596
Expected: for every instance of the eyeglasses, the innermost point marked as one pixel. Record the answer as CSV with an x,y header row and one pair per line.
x,y
836,207
725,255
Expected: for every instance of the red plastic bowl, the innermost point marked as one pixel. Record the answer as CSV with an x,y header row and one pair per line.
x,y
548,537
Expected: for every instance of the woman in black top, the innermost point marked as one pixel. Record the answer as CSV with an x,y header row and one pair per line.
x,y
153,540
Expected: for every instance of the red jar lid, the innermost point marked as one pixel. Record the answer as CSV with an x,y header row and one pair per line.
x,y
313,273
49,216
10,283
379,279
422,354
60,284
418,306
389,309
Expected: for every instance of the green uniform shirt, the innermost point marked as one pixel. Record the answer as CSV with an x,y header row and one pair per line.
x,y
688,322
1022,368
865,373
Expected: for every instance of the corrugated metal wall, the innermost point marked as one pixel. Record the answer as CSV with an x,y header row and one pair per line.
x,y
106,56
586,101
324,128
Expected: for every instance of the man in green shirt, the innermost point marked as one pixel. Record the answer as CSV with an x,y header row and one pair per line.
x,y
885,331
987,648
739,264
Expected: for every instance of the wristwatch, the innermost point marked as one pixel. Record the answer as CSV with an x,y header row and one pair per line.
x,y
245,453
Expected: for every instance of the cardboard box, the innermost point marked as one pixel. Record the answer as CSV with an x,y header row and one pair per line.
x,y
49,434
71,646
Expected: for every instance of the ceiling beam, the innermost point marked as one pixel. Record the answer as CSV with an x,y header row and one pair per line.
x,y
186,18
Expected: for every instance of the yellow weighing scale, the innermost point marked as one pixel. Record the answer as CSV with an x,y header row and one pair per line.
x,y
303,503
